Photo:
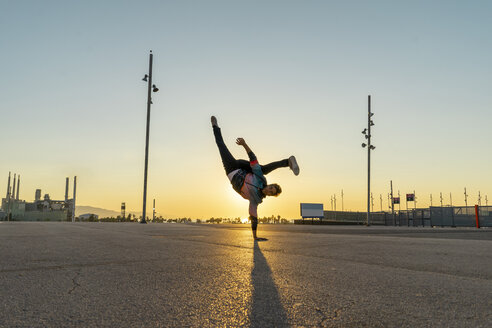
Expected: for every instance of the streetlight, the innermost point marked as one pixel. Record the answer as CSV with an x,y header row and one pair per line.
x,y
367,133
151,87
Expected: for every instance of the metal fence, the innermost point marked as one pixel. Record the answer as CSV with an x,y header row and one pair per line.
x,y
461,216
377,218
449,216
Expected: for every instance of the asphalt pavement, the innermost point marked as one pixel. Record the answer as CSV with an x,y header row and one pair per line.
x,y
203,275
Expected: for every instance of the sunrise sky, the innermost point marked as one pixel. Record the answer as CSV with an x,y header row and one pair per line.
x,y
291,77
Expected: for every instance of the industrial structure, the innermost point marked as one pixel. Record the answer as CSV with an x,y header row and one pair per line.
x,y
42,209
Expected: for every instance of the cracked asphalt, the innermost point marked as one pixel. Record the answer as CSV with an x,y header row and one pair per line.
x,y
192,275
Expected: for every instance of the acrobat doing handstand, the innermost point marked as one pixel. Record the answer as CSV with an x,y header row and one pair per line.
x,y
248,178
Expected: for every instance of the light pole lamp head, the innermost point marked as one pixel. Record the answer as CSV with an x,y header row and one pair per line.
x,y
154,88
145,78
372,147
372,123
364,131
363,145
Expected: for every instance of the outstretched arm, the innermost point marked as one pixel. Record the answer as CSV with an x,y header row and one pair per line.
x,y
242,142
253,161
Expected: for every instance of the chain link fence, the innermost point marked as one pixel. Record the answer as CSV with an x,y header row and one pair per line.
x,y
449,216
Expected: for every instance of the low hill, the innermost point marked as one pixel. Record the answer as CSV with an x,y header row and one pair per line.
x,y
103,213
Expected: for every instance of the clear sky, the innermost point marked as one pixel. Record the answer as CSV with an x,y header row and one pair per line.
x,y
291,77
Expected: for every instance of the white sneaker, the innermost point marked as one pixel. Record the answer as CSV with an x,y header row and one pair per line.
x,y
293,165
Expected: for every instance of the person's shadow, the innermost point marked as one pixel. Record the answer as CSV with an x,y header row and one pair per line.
x,y
266,308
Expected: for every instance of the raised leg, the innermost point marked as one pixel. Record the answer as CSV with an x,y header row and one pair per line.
x,y
229,162
273,166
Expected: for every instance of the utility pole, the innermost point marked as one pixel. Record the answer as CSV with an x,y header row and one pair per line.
x,y
466,199
367,133
479,199
392,204
74,194
381,199
151,87
372,203
342,201
399,203
153,211
431,199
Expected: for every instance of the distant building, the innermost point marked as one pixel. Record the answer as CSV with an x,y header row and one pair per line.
x,y
42,209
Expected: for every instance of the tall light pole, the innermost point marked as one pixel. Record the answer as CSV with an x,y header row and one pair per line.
x,y
153,212
372,203
74,195
342,201
392,199
367,134
151,87
399,203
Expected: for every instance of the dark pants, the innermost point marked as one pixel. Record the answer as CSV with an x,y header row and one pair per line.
x,y
232,164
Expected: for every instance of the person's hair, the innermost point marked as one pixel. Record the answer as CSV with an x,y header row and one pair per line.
x,y
277,188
